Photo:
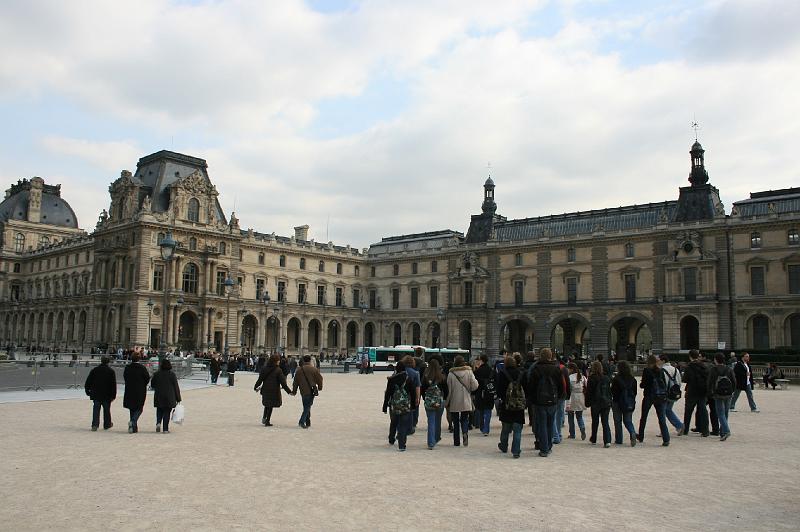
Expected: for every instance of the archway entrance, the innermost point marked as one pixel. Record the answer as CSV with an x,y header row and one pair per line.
x,y
397,334
293,334
186,331
416,334
690,333
369,335
314,328
333,335
793,331
352,335
435,335
760,326
465,335
272,341
570,336
516,336
629,336
249,328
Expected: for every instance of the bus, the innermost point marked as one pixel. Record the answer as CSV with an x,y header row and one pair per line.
x,y
385,358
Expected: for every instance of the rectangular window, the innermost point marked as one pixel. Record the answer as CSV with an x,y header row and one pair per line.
x,y
259,288
221,283
339,298
395,298
158,277
630,288
794,278
320,295
793,237
572,290
281,291
356,297
395,269
239,281
372,271
518,259
468,293
757,280
282,261
301,293
434,266
373,299
414,297
414,268
690,284
519,286
434,293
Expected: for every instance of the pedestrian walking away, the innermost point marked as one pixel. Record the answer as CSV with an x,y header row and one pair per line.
x,y
510,406
397,401
673,377
695,379
461,382
654,384
598,398
434,392
744,383
214,368
623,393
308,380
101,387
231,367
136,379
167,394
545,386
577,401
721,382
270,382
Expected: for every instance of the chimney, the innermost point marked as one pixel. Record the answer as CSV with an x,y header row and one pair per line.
x,y
301,232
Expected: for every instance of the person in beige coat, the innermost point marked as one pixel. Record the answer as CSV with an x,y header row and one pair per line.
x,y
461,382
308,380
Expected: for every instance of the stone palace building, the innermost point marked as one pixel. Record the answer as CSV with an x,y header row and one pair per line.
x,y
665,276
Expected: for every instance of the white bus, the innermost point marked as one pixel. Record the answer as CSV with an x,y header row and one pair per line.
x,y
385,358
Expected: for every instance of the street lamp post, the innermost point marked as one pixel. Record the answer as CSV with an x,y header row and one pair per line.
x,y
167,246
265,301
441,314
228,289
241,336
150,305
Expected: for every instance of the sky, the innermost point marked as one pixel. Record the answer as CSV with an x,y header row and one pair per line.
x,y
379,118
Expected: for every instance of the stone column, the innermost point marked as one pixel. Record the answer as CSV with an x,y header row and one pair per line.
x,y
201,330
210,327
177,273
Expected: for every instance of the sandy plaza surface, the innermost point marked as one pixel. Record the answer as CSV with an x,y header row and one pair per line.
x,y
222,469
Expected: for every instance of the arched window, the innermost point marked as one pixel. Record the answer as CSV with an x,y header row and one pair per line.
x,y
222,248
398,334
322,265
193,244
190,279
760,332
44,240
193,212
19,242
356,270
628,250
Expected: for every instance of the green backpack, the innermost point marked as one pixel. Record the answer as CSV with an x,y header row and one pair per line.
x,y
515,394
433,397
400,403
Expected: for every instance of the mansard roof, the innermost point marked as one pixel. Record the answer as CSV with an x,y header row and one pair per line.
x,y
416,241
626,218
786,200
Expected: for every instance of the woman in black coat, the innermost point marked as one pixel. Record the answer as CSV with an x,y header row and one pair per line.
x,y
512,420
167,393
269,383
136,378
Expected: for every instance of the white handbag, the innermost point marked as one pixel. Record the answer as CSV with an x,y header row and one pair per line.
x,y
178,414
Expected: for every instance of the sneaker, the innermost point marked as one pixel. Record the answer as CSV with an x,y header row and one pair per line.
x,y
714,433
499,446
732,410
755,411
485,433
606,445
465,437
166,432
724,437
665,444
130,427
109,426
402,450
543,454
516,456
430,447
158,428
391,442
94,429
679,432
633,441
583,434
695,429
570,437
267,424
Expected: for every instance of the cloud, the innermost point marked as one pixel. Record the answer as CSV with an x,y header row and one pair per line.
x,y
109,156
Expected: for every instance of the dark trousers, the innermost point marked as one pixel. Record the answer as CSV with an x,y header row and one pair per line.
x,y
214,377
106,406
305,417
230,378
712,414
693,403
601,414
661,413
267,414
135,419
399,427
545,420
460,424
162,417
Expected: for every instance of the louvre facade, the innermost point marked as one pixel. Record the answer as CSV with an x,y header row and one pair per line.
x,y
664,276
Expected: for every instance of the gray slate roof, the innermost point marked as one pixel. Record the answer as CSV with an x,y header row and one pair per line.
x,y
783,201
55,210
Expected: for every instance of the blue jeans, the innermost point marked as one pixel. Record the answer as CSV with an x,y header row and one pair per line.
x,y
672,417
486,419
460,424
516,441
135,419
106,406
660,408
572,417
622,418
545,421
722,407
434,426
750,400
305,417
558,422
400,426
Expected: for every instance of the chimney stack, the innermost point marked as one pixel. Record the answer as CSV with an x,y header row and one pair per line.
x,y
301,232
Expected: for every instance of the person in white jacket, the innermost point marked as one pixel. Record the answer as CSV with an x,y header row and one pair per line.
x,y
461,382
673,376
577,402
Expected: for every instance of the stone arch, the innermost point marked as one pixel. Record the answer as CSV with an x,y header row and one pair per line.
x,y
758,329
249,332
465,335
414,334
293,330
272,339
792,331
314,335
369,334
187,331
351,336
433,334
624,336
397,333
333,330
570,333
516,334
690,332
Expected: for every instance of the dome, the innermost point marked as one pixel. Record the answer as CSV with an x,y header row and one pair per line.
x,y
55,210
696,146
489,182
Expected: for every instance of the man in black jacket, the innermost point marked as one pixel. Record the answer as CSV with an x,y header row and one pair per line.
x,y
696,378
744,382
101,387
546,386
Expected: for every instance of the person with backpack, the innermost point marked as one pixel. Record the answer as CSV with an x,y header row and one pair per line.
x,y
744,383
674,393
654,384
721,383
485,394
545,386
577,402
269,383
397,401
623,396
598,398
695,378
510,406
461,382
434,393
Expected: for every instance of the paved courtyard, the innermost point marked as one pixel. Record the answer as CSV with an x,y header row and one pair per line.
x,y
223,470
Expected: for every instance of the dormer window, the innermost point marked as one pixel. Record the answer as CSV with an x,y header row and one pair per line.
x,y
193,211
755,239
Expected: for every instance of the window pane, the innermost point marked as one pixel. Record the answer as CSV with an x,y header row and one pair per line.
x,y
414,297
690,284
572,290
794,278
434,296
757,281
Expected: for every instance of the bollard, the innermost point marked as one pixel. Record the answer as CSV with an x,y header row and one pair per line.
x,y
35,385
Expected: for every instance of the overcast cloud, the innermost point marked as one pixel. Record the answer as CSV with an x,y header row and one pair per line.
x,y
382,116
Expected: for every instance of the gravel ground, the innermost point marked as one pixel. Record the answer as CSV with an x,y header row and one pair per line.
x,y
223,470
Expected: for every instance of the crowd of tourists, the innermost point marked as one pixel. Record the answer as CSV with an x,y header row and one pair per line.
x,y
552,393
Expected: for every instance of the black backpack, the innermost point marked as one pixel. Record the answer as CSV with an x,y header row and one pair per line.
x,y
546,393
628,399
602,393
723,387
673,389
660,386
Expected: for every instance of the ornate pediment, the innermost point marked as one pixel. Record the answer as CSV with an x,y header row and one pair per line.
x,y
570,273
627,270
469,267
196,183
688,245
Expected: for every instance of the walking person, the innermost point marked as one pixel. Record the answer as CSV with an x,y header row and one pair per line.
x,y
214,368
673,377
461,382
308,380
623,395
563,396
231,367
397,401
598,398
101,387
434,392
167,394
293,365
721,383
269,383
546,384
744,383
695,379
577,402
484,396
410,364
136,379
510,406
654,385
